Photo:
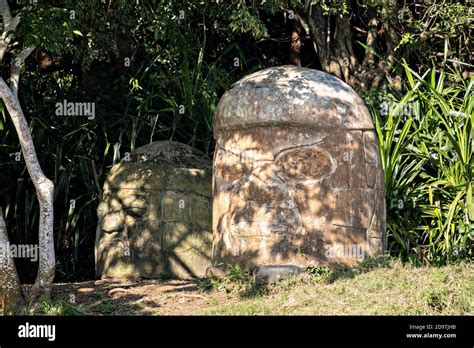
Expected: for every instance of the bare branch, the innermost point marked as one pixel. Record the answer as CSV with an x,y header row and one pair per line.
x,y
391,37
369,58
16,66
5,13
9,25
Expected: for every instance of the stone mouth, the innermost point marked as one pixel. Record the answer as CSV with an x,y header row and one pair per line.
x,y
260,229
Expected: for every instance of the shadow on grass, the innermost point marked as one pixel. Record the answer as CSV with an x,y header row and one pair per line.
x,y
365,266
311,274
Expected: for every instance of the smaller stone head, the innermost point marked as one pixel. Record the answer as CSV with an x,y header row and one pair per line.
x,y
155,215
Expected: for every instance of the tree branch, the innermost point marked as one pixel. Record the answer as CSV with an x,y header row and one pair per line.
x,y
295,47
345,56
369,58
44,188
15,70
9,25
318,30
391,36
5,13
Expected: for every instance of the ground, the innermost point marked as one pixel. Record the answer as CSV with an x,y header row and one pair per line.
x,y
382,287
147,297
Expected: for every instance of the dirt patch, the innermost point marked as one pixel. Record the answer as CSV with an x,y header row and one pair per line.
x,y
146,297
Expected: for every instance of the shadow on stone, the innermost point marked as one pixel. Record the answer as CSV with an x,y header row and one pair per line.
x,y
297,176
155,215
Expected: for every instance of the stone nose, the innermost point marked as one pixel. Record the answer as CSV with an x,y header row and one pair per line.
x,y
265,202
264,185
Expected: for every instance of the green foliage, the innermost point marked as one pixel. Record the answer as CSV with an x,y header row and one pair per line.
x,y
183,58
242,20
174,64
47,26
436,299
237,280
318,271
375,262
332,6
426,147
433,26
59,306
107,308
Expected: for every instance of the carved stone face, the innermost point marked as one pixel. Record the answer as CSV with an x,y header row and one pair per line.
x,y
154,218
292,193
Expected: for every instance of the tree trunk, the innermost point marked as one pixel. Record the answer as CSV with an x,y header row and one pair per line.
x,y
44,188
295,49
9,283
332,41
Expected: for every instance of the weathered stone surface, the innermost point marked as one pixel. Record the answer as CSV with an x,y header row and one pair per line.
x,y
155,215
297,173
268,274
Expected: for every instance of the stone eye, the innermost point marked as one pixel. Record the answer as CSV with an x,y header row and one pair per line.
x,y
311,163
136,211
235,171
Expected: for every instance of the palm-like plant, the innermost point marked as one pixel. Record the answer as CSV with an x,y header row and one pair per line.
x,y
426,146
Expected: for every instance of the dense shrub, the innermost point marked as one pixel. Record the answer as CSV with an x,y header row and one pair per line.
x,y
426,144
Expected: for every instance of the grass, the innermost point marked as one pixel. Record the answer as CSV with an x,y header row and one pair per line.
x,y
237,280
378,286
383,287
54,308
107,308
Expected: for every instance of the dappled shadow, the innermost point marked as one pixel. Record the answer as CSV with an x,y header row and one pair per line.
x,y
155,216
303,206
191,287
297,174
292,96
297,179
368,265
119,297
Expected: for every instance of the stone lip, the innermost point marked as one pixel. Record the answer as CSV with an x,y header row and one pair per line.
x,y
293,97
268,274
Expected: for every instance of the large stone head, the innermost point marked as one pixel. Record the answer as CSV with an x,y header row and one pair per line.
x,y
297,173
